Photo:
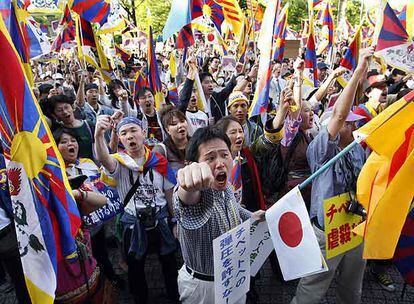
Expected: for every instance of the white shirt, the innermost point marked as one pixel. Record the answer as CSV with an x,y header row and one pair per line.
x,y
149,191
196,120
276,86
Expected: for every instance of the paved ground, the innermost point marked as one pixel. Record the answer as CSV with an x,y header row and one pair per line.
x,y
271,290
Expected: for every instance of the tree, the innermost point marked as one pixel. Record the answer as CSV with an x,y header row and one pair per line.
x,y
298,10
142,12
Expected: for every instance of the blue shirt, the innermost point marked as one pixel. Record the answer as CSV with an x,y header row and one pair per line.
x,y
341,177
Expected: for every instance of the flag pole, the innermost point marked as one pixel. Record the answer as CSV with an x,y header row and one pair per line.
x,y
327,165
253,27
361,13
81,41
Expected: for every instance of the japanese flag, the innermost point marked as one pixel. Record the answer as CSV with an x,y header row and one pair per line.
x,y
293,237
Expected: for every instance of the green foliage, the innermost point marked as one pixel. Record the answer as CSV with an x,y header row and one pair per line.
x,y
353,11
159,11
298,10
144,12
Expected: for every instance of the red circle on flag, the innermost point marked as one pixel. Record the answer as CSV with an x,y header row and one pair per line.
x,y
290,229
210,37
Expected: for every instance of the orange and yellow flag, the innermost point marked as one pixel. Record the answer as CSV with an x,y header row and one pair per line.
x,y
384,185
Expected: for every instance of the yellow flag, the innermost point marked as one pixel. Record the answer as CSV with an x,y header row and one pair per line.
x,y
384,185
233,14
173,65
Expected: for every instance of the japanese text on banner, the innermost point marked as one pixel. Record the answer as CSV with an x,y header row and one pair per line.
x,y
338,226
232,264
261,246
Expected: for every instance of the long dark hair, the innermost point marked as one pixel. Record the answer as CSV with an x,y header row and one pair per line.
x,y
111,92
167,114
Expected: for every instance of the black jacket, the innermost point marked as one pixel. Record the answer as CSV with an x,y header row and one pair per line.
x,y
217,99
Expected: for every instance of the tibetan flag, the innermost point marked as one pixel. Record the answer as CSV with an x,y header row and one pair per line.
x,y
350,59
86,36
185,37
315,3
67,32
46,216
173,95
5,10
233,14
243,40
261,95
210,10
178,17
152,160
116,22
86,42
280,34
125,56
392,32
311,71
384,184
327,22
20,37
404,254
92,10
39,42
236,176
402,16
140,82
153,75
393,44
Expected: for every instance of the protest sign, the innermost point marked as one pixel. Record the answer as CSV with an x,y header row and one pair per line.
x,y
400,56
293,237
232,264
338,226
261,246
291,48
228,63
112,207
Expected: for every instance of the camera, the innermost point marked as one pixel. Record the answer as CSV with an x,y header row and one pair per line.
x,y
147,216
356,208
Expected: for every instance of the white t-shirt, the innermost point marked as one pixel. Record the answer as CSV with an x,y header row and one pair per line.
x,y
196,120
151,190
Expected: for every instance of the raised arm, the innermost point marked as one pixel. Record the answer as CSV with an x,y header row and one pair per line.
x,y
103,123
323,89
192,179
344,103
80,95
186,91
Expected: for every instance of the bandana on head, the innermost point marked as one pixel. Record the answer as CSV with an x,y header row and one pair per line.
x,y
129,120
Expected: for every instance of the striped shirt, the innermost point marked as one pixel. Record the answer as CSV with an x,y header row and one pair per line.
x,y
199,224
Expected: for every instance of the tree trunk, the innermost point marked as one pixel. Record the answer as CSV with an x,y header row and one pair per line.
x,y
341,11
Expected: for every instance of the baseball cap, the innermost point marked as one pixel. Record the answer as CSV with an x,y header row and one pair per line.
x,y
326,117
91,86
322,65
375,81
58,76
237,96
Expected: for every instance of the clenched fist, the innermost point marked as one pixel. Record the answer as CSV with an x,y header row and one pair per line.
x,y
195,177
